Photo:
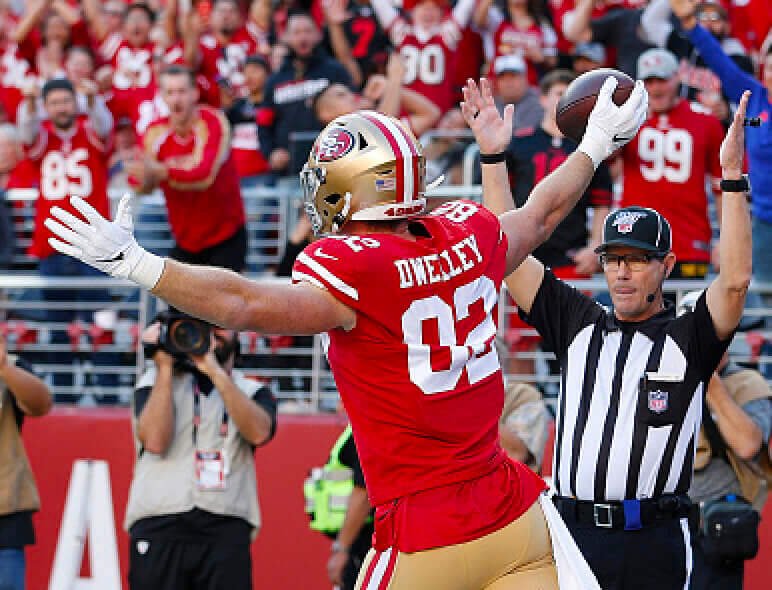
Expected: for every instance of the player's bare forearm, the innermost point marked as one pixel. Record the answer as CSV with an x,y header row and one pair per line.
x,y
548,204
227,299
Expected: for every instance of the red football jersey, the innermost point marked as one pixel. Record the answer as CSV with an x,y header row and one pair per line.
x,y
227,61
508,38
429,61
419,375
73,164
132,66
203,198
665,167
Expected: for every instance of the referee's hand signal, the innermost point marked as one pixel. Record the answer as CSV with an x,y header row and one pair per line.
x,y
733,146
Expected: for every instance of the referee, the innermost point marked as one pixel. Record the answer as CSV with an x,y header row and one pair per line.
x,y
633,383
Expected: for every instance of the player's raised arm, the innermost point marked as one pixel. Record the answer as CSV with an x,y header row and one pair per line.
x,y
726,294
219,296
609,127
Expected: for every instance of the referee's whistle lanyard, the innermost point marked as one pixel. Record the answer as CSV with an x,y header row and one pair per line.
x,y
197,416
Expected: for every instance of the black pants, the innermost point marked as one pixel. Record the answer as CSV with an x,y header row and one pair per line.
x,y
655,557
230,253
170,564
357,554
709,575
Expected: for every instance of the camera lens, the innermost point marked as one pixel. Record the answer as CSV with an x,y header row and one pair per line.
x,y
187,336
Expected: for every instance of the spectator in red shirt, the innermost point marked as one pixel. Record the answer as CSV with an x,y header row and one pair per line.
x,y
223,53
666,164
71,156
188,155
15,170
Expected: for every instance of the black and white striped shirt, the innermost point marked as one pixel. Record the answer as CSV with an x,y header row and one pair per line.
x,y
631,394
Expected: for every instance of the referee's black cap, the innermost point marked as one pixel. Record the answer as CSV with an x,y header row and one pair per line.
x,y
637,227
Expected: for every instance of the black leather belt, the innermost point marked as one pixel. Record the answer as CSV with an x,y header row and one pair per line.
x,y
628,515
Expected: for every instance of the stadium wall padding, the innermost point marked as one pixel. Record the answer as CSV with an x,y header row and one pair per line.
x,y
287,553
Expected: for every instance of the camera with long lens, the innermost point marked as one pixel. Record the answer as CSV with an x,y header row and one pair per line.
x,y
180,335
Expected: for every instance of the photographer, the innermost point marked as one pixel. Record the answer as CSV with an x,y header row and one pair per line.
x,y
193,509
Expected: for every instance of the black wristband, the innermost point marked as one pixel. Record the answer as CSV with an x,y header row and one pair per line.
x,y
741,185
493,158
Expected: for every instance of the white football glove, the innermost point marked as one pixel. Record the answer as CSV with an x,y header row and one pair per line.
x,y
108,246
609,127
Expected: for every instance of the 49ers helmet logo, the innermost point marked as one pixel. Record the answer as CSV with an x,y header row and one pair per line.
x,y
335,144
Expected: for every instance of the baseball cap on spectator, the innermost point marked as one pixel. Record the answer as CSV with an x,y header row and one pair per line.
x,y
592,51
657,63
509,63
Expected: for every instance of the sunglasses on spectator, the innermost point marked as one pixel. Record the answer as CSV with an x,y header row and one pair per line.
x,y
635,262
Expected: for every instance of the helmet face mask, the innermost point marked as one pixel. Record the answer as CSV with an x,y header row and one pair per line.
x,y
363,166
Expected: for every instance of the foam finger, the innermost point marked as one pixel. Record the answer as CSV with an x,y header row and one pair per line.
x,y
70,220
65,233
65,248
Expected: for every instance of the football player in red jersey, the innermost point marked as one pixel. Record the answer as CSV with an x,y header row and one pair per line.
x,y
409,303
428,43
666,164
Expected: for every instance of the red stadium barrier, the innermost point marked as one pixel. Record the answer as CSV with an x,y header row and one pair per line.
x,y
287,554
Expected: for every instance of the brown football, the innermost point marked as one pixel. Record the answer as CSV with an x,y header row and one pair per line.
x,y
578,100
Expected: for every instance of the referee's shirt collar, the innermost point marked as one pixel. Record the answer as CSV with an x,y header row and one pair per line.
x,y
649,327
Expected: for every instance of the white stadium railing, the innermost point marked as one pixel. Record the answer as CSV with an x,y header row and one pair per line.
x,y
94,357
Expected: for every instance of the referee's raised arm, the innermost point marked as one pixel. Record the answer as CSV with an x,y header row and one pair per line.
x,y
726,295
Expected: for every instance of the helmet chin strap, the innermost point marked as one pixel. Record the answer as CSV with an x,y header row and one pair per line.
x,y
340,218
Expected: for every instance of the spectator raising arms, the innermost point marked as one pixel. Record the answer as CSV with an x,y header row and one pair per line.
x,y
428,43
70,152
356,38
698,82
521,29
759,146
222,54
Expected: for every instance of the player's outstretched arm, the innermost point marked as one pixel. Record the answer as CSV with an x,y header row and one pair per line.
x,y
609,127
726,294
219,296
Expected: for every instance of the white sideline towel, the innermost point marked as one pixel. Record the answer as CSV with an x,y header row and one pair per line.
x,y
573,571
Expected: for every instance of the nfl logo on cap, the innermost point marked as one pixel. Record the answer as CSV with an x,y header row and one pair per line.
x,y
658,401
625,220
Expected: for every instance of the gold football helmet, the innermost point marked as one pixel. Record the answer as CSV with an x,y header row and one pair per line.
x,y
364,166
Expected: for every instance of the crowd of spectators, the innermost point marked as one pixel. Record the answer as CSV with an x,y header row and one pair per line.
x,y
206,100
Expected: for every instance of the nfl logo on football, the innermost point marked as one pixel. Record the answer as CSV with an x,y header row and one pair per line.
x,y
658,401
626,220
